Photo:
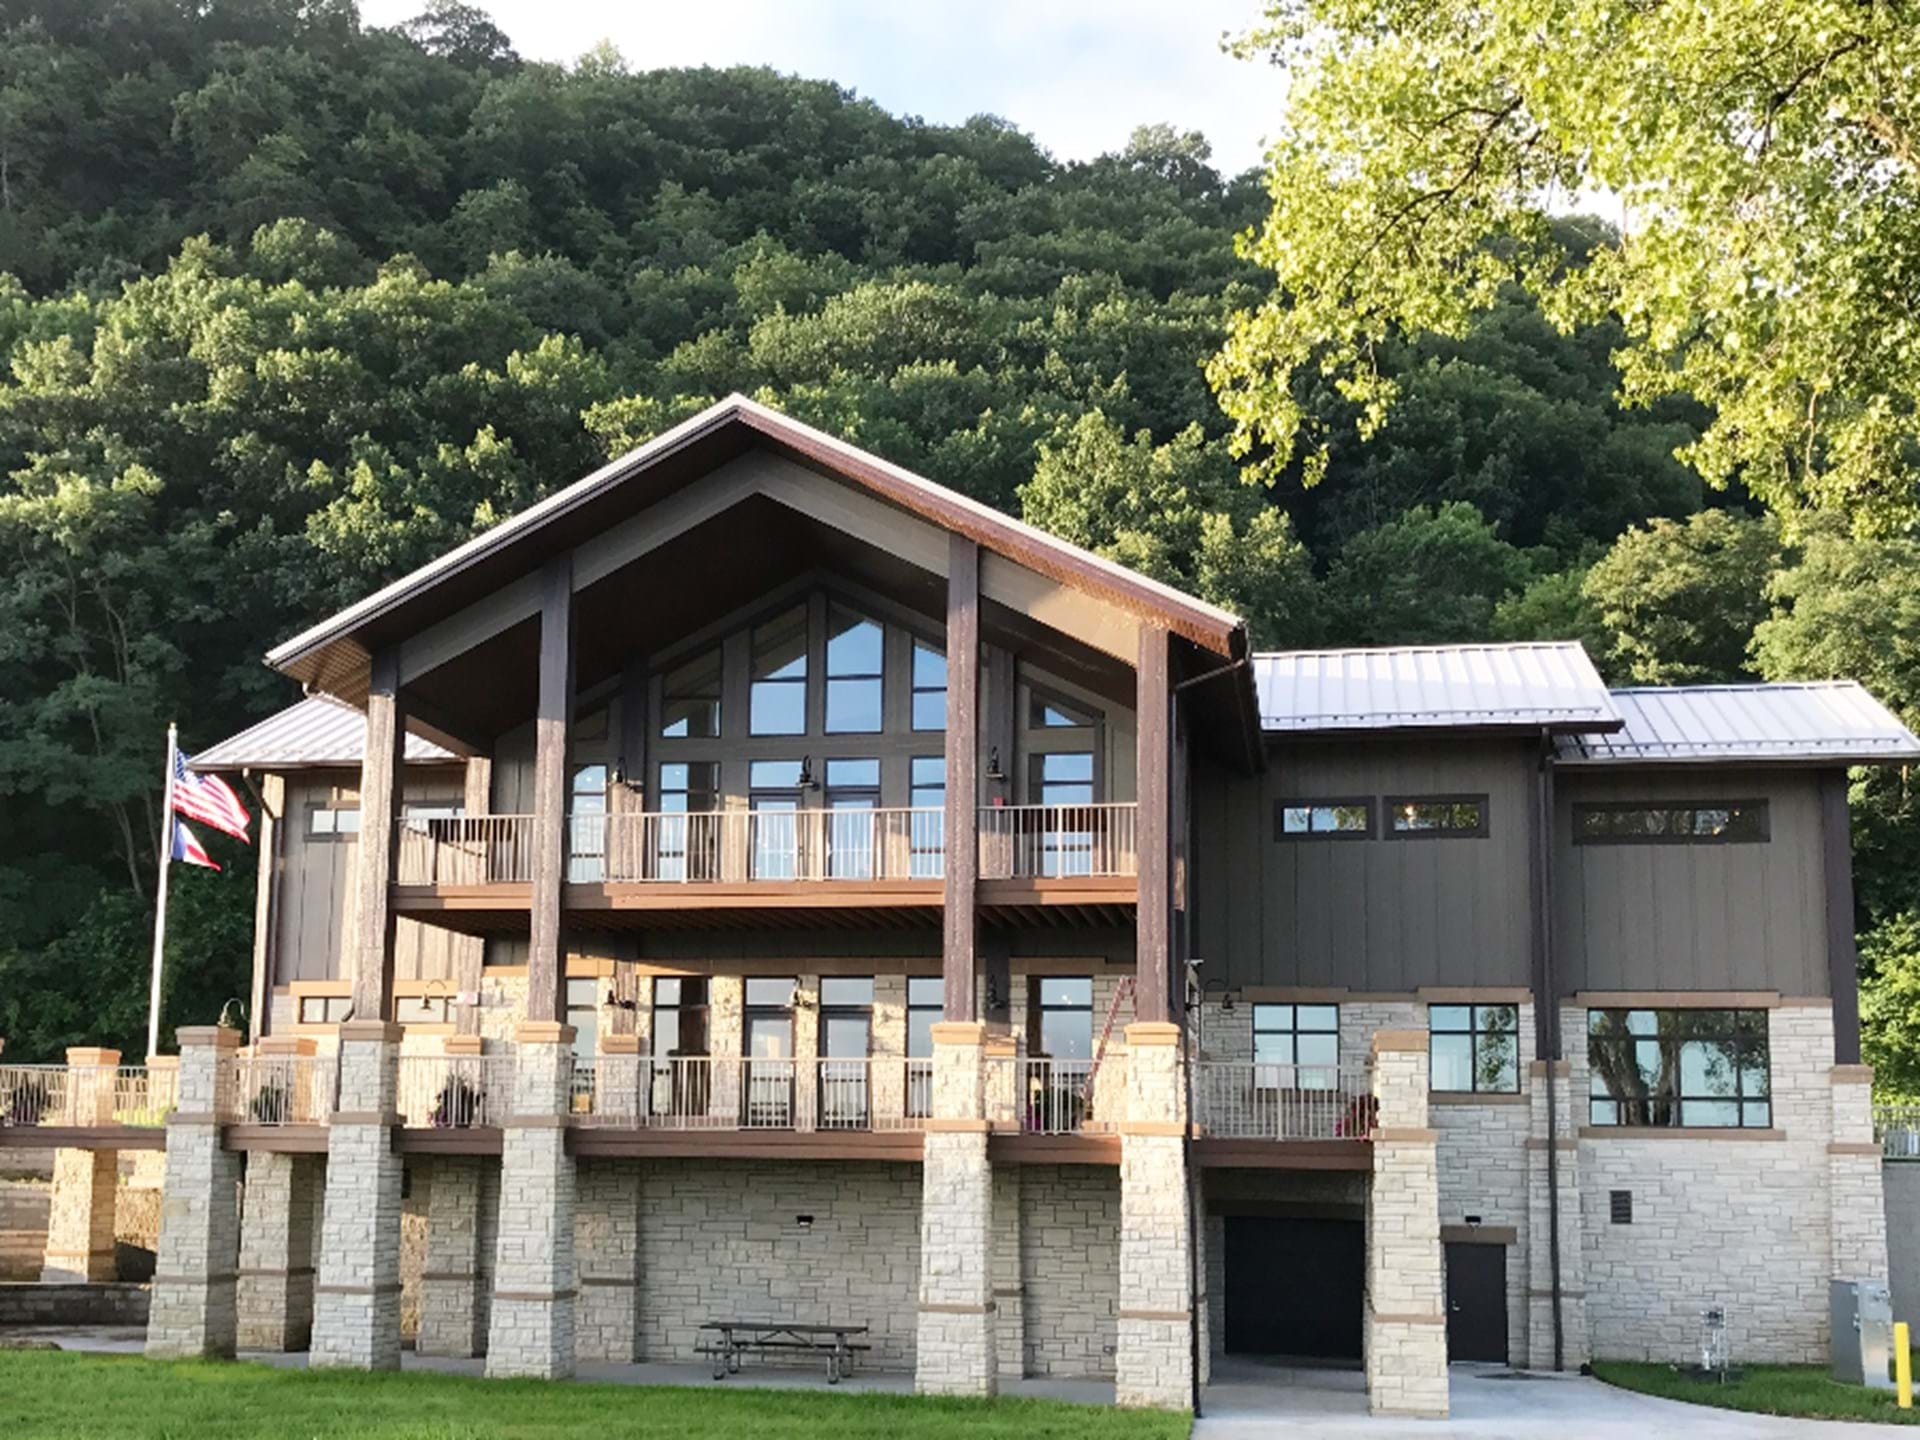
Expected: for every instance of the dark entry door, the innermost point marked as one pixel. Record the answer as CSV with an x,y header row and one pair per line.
x,y
1294,1286
1477,1302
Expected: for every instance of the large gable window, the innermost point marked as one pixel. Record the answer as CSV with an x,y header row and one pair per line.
x,y
690,699
929,687
1668,1068
856,649
777,698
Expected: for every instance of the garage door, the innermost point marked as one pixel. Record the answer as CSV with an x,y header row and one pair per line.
x,y
1294,1287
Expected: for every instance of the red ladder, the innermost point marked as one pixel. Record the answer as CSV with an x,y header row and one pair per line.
x,y
1122,995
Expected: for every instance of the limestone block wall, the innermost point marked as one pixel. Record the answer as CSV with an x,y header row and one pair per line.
x,y
416,1193
1743,1223
24,1209
722,1238
1069,1268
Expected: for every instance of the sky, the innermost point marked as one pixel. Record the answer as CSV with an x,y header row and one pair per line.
x,y
1078,75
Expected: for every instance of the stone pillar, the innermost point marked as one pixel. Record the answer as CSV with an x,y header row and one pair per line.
x,y
1859,1229
955,1343
607,1250
1406,1322
356,1308
192,1309
1153,1361
531,1326
451,1301
85,1182
1540,1223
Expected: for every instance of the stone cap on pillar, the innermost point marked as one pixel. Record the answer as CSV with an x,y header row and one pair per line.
x,y
619,1044
1144,1034
1842,1074
463,1045
543,1032
163,1062
221,1037
1002,1047
92,1055
1399,1042
287,1045
958,1032
380,1032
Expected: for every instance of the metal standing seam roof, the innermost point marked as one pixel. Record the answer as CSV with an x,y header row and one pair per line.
x,y
1831,721
317,732
1549,685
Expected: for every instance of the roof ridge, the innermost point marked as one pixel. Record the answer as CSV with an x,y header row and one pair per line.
x,y
1709,687
1451,648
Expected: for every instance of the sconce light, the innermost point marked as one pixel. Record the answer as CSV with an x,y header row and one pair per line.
x,y
802,999
995,775
805,1222
617,1002
233,1006
994,999
807,782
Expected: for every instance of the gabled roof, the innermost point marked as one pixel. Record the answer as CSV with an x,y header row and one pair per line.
x,y
333,653
319,732
1548,685
1833,722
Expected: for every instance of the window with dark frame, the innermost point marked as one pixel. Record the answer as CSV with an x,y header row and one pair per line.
x,y
1306,818
583,1014
686,848
1049,712
1689,822
927,795
325,1009
1680,1068
1062,1016
853,794
1296,1047
768,1029
1474,1049
777,692
587,824
929,687
774,795
926,1001
333,822
845,1042
1438,816
690,699
679,1016
856,673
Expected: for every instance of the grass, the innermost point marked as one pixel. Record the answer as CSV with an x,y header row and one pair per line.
x,y
45,1394
1802,1391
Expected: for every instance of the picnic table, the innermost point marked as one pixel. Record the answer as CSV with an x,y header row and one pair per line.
x,y
730,1339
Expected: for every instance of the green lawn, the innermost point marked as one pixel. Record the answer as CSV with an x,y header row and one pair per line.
x,y
46,1394
1803,1391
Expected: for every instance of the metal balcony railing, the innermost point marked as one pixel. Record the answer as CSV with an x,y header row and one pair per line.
x,y
454,1092
86,1095
1897,1128
1244,1100
740,846
1039,1096
281,1090
33,1095
728,1092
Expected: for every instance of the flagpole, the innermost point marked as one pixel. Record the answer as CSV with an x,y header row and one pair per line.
x,y
160,907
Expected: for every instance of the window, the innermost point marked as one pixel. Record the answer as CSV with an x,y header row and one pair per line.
x,y
325,1009
856,649
332,823
929,688
853,793
422,1009
927,794
583,1013
926,1001
1678,1068
768,1101
690,699
1689,822
679,1016
687,840
1296,1047
587,825
1045,712
1063,778
773,794
777,698
1062,1015
1328,819
846,1039
1474,1047
1414,816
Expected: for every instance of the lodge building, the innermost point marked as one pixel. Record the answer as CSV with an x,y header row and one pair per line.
x,y
757,881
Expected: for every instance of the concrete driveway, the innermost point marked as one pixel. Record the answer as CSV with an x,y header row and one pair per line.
x,y
1252,1401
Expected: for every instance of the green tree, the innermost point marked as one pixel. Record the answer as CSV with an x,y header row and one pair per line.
x,y
1767,161
1433,576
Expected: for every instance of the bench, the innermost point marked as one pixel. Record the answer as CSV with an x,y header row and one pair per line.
x,y
725,1341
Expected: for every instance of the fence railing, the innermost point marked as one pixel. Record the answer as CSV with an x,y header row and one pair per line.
x,y
33,1095
1057,841
1040,1096
454,1092
735,846
143,1096
282,1090
728,1092
86,1095
1244,1100
1897,1127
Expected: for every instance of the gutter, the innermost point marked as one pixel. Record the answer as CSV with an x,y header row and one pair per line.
x,y
1547,1023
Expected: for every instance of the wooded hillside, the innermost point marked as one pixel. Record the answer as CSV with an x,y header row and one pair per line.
x,y
288,305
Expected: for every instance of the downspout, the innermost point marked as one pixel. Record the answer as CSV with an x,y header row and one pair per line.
x,y
1547,1028
1188,1006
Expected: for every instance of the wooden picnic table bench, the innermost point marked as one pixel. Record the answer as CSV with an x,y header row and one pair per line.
x,y
730,1339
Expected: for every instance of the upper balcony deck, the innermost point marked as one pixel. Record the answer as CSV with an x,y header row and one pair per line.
x,y
827,866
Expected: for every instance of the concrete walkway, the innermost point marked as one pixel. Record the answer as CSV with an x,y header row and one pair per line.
x,y
1249,1400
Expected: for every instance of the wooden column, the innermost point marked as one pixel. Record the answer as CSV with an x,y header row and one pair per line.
x,y
381,782
1153,836
960,933
546,966
1000,719
272,796
470,951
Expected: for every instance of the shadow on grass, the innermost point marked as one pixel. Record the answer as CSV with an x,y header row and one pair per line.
x,y
1805,1392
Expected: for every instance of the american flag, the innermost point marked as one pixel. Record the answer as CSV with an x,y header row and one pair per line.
x,y
208,799
187,847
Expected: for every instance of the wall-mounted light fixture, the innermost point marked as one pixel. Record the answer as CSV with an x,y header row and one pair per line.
x,y
805,1222
994,998
995,775
807,782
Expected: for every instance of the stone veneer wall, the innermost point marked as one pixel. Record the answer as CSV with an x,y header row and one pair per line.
x,y
416,1192
720,1238
1069,1268
1716,1221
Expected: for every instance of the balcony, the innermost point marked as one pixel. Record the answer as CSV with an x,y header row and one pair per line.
x,y
477,871
732,1093
52,1098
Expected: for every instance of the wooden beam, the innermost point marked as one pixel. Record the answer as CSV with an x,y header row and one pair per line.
x,y
1153,764
1843,958
546,966
272,796
380,796
960,931
1000,718
635,730
447,731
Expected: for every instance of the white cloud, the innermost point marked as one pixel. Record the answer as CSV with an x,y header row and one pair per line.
x,y
1077,74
